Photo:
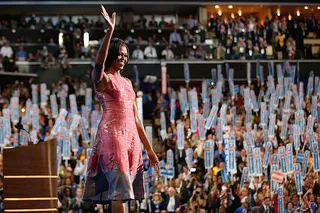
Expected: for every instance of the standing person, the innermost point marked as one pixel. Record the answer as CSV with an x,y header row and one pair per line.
x,y
115,169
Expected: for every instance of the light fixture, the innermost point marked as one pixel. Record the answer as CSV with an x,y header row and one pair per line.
x,y
60,40
318,7
230,6
232,15
298,13
23,110
219,13
278,12
306,7
159,31
217,6
132,30
86,39
289,17
240,13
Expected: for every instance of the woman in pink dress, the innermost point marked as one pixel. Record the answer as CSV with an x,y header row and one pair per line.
x,y
115,168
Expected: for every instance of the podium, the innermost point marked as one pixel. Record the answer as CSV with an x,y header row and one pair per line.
x,y
30,178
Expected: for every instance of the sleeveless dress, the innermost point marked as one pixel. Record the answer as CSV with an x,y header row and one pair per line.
x,y
115,167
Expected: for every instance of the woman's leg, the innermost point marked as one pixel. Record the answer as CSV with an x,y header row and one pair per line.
x,y
118,206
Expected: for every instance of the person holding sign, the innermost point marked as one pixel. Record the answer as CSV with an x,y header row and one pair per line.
x,y
115,168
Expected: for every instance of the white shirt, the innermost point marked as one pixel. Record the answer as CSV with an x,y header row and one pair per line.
x,y
168,54
150,52
6,51
171,204
137,54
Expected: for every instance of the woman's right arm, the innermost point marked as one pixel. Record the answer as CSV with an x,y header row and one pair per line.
x,y
97,75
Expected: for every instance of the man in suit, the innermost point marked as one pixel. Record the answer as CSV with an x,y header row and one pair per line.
x,y
171,200
266,206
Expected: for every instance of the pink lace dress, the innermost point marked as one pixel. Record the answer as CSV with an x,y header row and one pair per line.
x,y
115,168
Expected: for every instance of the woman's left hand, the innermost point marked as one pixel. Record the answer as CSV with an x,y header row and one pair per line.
x,y
154,161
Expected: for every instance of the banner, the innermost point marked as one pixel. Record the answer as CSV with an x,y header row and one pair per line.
x,y
202,133
207,155
247,104
314,108
186,73
280,200
279,71
85,111
299,158
204,90
180,136
24,136
225,176
43,94
66,145
149,134
63,99
264,115
272,125
289,150
305,163
35,117
267,155
261,75
139,102
164,78
75,122
183,103
232,167
310,86
298,178
244,176
73,104
249,73
250,161
28,109
296,137
74,141
170,163
254,101
14,106
214,97
219,130
88,101
274,184
316,165
212,116
257,162
277,176
173,110
270,68
283,160
2,133
54,106
34,92
83,130
193,118
163,121
206,108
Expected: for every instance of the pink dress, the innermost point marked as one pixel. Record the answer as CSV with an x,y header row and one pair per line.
x,y
115,168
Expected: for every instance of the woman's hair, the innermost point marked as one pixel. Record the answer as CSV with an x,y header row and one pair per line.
x,y
113,51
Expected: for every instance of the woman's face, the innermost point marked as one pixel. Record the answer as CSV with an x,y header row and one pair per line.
x,y
122,59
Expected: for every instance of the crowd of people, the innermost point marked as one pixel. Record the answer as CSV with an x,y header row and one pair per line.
x,y
248,37
196,185
240,37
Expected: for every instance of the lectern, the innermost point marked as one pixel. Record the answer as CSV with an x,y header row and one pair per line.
x,y
30,178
